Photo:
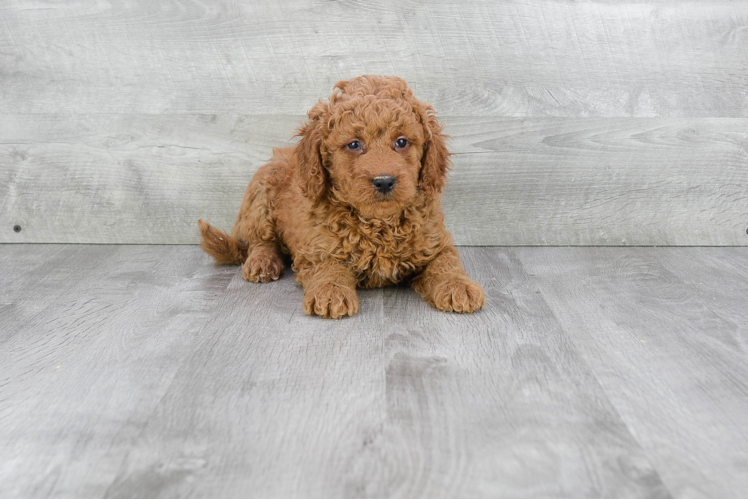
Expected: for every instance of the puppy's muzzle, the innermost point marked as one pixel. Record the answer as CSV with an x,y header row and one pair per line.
x,y
383,183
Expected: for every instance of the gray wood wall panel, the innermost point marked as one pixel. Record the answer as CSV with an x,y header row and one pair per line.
x,y
546,181
590,181
128,178
578,123
515,58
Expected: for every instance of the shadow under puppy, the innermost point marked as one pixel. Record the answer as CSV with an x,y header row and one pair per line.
x,y
355,203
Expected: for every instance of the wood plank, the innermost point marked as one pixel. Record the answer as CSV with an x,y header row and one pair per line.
x,y
720,280
24,266
519,58
81,379
500,403
599,182
674,369
541,181
36,277
591,372
270,403
129,178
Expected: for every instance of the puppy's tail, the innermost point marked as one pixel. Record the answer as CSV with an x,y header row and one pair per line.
x,y
223,248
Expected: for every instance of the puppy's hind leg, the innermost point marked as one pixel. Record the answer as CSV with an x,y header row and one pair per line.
x,y
255,226
264,264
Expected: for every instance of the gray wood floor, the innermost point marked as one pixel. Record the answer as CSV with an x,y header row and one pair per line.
x,y
146,371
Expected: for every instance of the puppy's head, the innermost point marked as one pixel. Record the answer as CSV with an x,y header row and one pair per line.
x,y
373,146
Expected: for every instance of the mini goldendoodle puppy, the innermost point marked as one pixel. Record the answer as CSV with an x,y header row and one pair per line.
x,y
355,203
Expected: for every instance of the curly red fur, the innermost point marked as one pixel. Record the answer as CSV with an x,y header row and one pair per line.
x,y
318,203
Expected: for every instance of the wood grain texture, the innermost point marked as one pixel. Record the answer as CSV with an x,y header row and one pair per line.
x,y
37,277
667,349
499,403
599,182
82,377
726,302
283,404
591,372
541,181
29,273
128,179
582,123
516,58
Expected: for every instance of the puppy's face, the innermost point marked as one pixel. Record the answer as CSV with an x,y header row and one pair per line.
x,y
373,157
374,146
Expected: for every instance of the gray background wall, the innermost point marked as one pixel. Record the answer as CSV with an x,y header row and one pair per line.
x,y
573,122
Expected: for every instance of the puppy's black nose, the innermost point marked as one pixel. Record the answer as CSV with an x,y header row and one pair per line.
x,y
383,183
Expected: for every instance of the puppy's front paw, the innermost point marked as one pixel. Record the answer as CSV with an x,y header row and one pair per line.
x,y
457,294
263,264
330,301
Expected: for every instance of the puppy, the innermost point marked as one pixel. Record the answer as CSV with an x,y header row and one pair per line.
x,y
355,204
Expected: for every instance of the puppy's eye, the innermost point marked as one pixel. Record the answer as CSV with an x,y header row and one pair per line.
x,y
354,146
401,142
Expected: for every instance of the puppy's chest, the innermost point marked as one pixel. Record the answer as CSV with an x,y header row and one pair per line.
x,y
382,255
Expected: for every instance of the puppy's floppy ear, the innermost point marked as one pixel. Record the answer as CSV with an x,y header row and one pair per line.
x,y
435,160
309,155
